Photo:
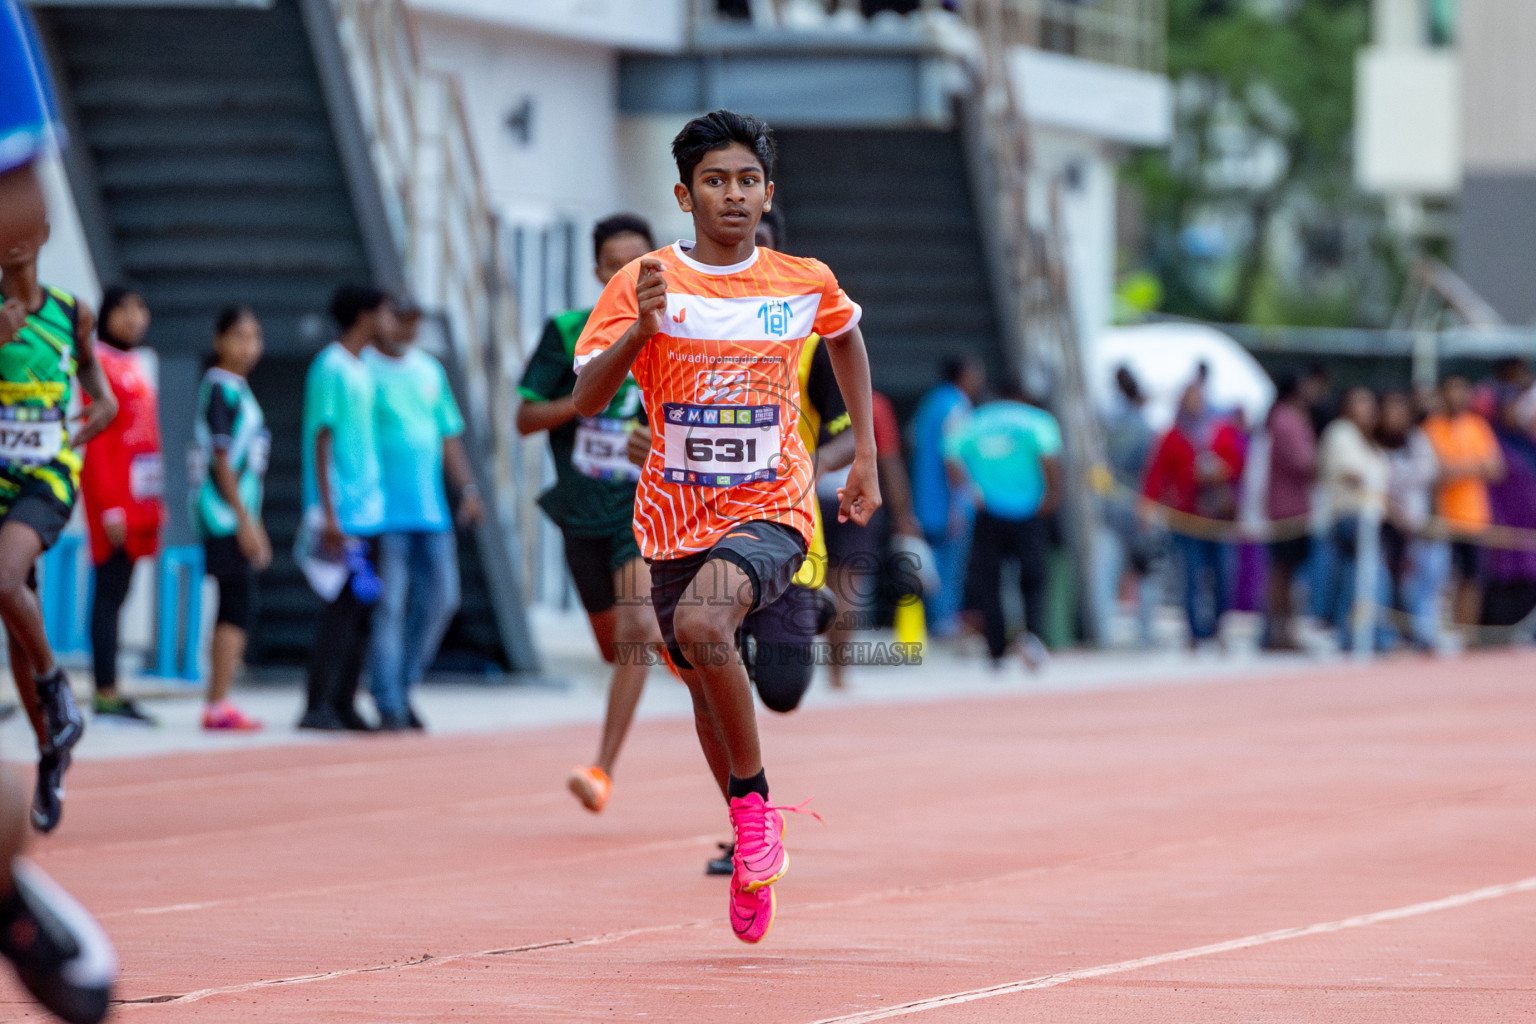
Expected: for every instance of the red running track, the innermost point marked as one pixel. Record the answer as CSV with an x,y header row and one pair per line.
x,y
1351,845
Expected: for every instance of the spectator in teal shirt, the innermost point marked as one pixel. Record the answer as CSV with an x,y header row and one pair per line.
x,y
419,436
343,499
1009,450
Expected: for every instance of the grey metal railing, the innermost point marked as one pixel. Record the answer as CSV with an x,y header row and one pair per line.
x,y
1130,33
450,238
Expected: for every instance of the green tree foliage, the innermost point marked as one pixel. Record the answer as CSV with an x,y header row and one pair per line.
x,y
1265,105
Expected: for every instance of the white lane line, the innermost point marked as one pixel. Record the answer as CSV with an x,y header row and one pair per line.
x,y
1492,892
429,961
411,882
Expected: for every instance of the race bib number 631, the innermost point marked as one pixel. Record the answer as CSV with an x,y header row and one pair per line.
x,y
720,445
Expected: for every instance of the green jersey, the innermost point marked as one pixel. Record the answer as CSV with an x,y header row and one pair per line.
x,y
594,487
229,420
36,369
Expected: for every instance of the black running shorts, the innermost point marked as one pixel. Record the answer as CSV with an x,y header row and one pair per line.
x,y
236,577
769,553
37,506
594,561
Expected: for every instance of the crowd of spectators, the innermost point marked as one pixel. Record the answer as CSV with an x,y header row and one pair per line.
x,y
1445,476
381,445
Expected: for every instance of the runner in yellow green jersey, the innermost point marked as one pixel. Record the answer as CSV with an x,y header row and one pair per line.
x,y
45,343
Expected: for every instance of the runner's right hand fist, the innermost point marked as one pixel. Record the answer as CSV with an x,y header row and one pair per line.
x,y
13,316
651,297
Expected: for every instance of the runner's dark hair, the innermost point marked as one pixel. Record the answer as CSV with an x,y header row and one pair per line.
x,y
227,318
620,224
717,130
351,301
114,296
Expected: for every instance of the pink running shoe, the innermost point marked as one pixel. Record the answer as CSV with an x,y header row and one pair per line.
x,y
225,717
760,859
752,913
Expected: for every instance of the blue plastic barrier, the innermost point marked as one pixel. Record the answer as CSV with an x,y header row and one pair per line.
x,y
179,614
59,594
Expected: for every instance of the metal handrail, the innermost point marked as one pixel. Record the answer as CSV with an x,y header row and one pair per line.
x,y
1130,33
444,226
1040,324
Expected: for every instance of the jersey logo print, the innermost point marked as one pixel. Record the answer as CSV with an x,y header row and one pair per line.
x,y
682,315
725,387
775,315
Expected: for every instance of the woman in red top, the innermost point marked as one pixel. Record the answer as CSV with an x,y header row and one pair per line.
x,y
1195,469
121,485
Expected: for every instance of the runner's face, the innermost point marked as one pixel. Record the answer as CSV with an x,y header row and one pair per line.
x,y
407,327
729,194
23,210
241,346
130,321
619,252
24,251
386,325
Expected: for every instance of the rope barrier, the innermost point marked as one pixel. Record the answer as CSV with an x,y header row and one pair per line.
x,y
1437,528
1189,524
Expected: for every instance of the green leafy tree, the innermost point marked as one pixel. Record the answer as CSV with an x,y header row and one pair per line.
x,y
1264,109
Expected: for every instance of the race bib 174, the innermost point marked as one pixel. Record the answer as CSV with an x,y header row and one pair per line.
x,y
721,445
31,436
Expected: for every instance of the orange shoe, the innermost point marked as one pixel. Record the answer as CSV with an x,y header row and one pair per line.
x,y
591,786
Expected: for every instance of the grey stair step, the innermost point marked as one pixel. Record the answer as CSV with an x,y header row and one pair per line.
x,y
265,293
198,96
258,131
218,174
320,210
243,255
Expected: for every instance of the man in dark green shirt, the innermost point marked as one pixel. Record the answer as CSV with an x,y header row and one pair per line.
x,y
593,504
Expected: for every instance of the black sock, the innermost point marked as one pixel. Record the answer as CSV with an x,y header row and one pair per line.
x,y
11,907
741,787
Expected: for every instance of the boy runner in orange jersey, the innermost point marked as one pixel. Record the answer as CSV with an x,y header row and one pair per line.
x,y
712,331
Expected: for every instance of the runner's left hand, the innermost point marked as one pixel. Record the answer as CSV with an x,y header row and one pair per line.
x,y
96,418
859,498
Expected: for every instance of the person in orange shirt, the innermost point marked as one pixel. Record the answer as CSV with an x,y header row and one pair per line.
x,y
712,331
1469,460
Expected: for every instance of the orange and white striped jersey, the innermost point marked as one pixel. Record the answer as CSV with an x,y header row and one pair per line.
x,y
722,392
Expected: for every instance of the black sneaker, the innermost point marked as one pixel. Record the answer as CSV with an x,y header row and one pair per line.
x,y
826,609
59,951
322,719
121,711
350,719
48,798
413,719
722,865
65,723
